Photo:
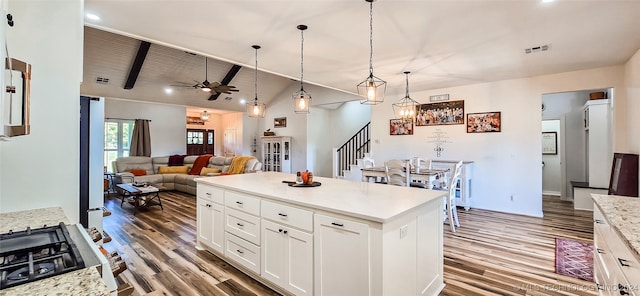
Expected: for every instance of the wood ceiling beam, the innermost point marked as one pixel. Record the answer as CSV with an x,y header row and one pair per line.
x,y
137,64
226,80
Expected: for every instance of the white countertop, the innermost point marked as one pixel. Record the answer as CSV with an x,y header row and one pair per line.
x,y
622,213
86,281
369,201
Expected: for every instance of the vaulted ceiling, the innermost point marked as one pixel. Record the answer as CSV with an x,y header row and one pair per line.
x,y
443,43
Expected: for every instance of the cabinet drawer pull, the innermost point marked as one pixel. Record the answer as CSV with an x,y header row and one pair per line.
x,y
239,202
600,251
279,230
240,251
240,224
599,287
208,193
337,224
284,231
598,221
281,214
623,262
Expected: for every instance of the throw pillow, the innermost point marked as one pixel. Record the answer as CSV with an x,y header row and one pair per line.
x,y
138,172
206,171
173,169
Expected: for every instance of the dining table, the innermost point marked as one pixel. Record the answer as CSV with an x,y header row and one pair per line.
x,y
432,178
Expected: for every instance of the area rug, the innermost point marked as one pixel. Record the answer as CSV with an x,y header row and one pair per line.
x,y
574,259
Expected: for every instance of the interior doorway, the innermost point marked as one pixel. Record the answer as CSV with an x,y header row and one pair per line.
x,y
200,141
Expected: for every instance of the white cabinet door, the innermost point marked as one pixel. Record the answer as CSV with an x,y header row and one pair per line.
x,y
287,257
204,216
210,218
342,259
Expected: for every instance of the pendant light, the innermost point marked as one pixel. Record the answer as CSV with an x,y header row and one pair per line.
x,y
256,109
405,109
301,98
372,89
204,115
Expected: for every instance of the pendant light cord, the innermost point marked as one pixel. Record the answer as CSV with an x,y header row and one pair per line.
x,y
256,80
407,93
206,66
371,39
301,58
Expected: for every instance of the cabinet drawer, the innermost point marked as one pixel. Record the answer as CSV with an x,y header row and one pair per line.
x,y
288,215
243,225
242,202
243,252
622,256
210,193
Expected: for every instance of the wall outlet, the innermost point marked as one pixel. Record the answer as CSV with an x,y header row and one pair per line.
x,y
403,231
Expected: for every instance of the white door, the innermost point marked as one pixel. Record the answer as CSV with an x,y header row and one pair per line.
x,y
96,155
230,142
338,241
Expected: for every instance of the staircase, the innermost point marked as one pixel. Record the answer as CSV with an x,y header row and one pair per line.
x,y
348,159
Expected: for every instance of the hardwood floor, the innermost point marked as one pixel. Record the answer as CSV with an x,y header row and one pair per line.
x,y
491,254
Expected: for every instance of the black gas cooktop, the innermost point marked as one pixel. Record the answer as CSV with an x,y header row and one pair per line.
x,y
33,254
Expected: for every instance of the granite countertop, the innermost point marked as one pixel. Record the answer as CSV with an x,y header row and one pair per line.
x,y
370,201
622,214
86,281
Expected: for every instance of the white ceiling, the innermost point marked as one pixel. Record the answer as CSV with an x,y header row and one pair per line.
x,y
443,43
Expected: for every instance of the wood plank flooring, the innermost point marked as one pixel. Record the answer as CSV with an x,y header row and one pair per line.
x,y
491,254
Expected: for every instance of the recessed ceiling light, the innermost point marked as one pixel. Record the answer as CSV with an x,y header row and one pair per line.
x,y
168,90
548,1
243,101
93,17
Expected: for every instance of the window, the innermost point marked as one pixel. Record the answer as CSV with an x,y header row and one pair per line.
x,y
117,139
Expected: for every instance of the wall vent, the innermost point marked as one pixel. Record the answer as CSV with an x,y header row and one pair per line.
x,y
102,80
539,48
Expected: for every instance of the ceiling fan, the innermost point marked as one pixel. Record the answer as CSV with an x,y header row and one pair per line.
x,y
210,87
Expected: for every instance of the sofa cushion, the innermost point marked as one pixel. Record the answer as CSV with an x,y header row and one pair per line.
x,y
153,179
138,172
125,164
173,169
206,171
188,180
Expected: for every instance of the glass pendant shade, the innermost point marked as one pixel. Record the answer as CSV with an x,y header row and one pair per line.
x,y
301,98
204,115
372,89
301,101
256,109
405,108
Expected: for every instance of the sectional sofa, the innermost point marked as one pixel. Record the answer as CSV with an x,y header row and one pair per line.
x,y
156,170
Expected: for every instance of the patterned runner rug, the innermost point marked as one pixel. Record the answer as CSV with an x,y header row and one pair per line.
x,y
574,258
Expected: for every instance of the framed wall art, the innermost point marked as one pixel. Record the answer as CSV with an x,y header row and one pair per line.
x,y
195,120
485,122
549,143
280,122
440,113
400,127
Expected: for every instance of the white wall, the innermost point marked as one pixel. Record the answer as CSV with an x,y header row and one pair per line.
x,y
346,120
42,169
551,171
167,126
318,146
506,163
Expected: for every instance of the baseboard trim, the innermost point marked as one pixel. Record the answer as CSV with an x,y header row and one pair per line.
x,y
554,193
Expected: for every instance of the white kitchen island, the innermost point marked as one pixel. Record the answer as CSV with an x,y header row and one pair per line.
x,y
341,238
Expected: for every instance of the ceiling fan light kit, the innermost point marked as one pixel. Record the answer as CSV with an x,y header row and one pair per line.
x,y
372,89
301,98
256,109
405,108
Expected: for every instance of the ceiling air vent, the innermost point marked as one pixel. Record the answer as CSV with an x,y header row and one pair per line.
x,y
102,80
228,98
540,48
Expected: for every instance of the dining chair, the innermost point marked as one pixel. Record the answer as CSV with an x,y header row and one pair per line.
x,y
452,211
396,172
422,164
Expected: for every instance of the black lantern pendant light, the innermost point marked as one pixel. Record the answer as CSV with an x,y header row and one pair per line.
x,y
373,88
405,109
301,98
256,109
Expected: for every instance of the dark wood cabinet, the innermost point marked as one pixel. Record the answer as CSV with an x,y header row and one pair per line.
x,y
624,175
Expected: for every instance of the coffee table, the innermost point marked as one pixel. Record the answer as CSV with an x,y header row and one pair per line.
x,y
141,197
